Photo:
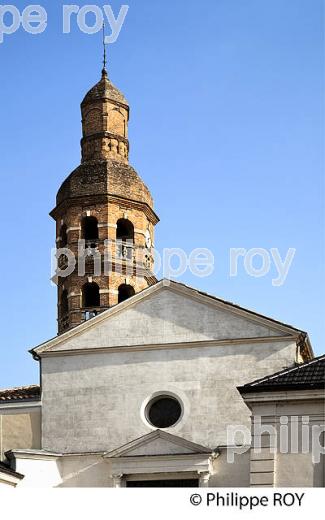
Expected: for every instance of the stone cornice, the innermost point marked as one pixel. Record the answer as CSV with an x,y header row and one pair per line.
x,y
283,395
48,455
126,450
168,346
9,405
164,464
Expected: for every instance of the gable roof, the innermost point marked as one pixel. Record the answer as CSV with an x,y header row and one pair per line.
x,y
202,297
21,393
309,375
132,448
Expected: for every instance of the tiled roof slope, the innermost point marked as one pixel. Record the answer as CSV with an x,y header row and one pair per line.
x,y
22,393
104,89
307,375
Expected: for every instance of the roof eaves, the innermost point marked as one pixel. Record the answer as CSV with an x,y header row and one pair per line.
x,y
264,383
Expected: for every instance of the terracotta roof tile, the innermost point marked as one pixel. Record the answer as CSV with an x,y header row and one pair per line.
x,y
21,393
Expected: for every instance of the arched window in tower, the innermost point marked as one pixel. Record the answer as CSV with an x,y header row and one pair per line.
x,y
124,230
124,238
90,231
124,292
90,295
63,236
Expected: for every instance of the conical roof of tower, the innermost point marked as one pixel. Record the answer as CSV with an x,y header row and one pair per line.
x,y
105,177
104,89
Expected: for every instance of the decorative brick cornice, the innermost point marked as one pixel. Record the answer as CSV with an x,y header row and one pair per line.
x,y
103,198
100,135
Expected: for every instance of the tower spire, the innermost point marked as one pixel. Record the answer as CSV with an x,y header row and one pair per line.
x,y
104,71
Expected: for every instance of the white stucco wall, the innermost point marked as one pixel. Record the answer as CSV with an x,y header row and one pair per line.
x,y
85,471
296,420
231,474
92,402
302,469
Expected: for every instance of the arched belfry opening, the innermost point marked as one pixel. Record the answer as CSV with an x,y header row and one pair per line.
x,y
89,228
90,295
63,235
124,230
125,292
124,238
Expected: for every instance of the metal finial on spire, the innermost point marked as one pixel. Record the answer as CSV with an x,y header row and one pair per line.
x,y
104,45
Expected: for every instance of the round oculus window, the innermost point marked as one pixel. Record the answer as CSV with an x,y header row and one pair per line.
x,y
163,411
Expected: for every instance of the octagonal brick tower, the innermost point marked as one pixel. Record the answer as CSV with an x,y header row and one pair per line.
x,y
105,204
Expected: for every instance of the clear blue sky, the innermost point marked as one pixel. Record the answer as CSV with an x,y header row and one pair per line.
x,y
227,130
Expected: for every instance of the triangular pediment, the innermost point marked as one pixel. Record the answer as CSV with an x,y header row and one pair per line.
x,y
158,443
168,313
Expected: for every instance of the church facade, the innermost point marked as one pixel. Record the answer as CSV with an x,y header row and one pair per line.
x,y
151,383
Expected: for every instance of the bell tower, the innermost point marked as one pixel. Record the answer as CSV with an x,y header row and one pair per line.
x,y
104,216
